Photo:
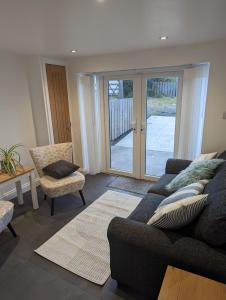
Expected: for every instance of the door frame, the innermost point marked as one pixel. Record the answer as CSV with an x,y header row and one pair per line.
x,y
43,62
150,75
136,118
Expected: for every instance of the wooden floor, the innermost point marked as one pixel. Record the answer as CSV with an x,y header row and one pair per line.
x,y
181,285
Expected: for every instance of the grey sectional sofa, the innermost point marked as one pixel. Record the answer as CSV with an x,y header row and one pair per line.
x,y
140,253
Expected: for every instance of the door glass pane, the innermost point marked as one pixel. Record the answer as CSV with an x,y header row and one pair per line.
x,y
120,106
161,101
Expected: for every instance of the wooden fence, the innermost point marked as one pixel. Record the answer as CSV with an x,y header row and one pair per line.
x,y
165,88
120,117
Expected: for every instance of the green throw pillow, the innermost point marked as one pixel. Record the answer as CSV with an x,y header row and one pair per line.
x,y
196,171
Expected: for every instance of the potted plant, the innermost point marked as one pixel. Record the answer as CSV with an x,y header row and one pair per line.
x,y
10,160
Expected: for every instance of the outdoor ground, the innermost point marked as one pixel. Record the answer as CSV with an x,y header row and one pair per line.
x,y
159,146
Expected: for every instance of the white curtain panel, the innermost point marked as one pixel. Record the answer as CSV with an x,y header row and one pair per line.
x,y
89,107
195,84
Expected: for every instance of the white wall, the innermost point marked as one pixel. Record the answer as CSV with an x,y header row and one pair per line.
x,y
16,120
215,53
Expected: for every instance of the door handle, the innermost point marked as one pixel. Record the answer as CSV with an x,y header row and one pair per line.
x,y
143,127
134,126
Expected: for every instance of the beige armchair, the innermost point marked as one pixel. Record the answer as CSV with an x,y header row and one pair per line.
x,y
53,188
6,214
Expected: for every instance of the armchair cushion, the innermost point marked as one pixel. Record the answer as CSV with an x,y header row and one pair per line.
x,y
58,187
60,169
45,155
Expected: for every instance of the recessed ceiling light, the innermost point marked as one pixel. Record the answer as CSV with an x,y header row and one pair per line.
x,y
163,37
74,51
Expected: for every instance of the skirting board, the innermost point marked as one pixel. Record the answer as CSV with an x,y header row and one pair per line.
x,y
12,193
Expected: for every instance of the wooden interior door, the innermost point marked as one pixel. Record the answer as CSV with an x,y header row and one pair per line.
x,y
58,98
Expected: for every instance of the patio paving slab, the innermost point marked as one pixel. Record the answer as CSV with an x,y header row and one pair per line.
x,y
121,159
159,147
160,134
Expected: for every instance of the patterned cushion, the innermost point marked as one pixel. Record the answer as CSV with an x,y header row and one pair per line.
x,y
58,187
206,156
185,192
6,213
178,214
197,170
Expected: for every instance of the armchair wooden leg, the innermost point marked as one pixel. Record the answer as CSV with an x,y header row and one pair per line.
x,y
52,206
12,230
82,196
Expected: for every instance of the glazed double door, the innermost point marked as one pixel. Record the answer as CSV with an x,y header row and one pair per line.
x,y
142,118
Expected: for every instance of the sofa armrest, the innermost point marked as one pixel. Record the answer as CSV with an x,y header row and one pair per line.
x,y
141,235
133,259
175,166
171,248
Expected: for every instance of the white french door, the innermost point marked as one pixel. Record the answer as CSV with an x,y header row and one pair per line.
x,y
142,119
122,97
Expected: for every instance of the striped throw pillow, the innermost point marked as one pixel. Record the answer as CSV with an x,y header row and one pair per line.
x,y
178,214
190,190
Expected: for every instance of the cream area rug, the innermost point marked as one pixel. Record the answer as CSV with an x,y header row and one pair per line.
x,y
82,246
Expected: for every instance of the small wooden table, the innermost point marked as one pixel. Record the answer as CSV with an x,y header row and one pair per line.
x,y
182,285
6,179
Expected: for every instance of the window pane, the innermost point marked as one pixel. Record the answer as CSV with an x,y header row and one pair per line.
x,y
120,103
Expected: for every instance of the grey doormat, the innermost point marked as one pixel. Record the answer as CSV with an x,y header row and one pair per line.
x,y
131,185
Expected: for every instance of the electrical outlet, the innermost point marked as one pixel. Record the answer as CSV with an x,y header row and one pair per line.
x,y
224,115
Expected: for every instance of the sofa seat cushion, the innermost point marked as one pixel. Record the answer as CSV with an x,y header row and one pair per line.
x,y
146,208
160,186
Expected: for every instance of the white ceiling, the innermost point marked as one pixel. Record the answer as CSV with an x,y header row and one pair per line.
x,y
54,27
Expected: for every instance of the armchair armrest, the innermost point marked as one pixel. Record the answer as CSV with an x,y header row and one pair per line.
x,y
175,166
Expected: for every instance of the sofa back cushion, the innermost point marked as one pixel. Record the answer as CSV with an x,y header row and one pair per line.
x,y
146,208
211,225
159,187
218,183
222,155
